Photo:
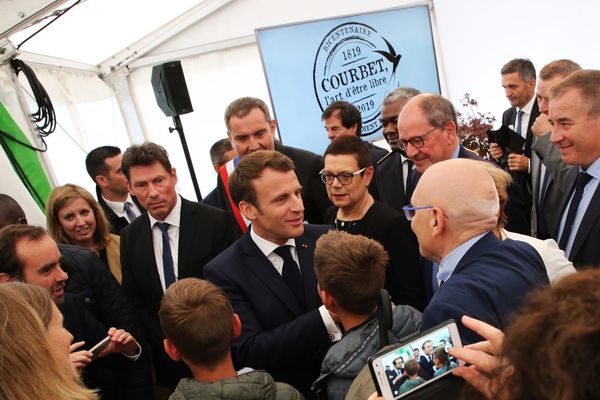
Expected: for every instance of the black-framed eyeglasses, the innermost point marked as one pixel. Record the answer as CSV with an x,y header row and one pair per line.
x,y
345,178
417,142
410,211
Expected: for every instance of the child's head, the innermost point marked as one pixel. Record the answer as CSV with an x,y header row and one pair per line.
x,y
198,322
440,357
411,367
351,270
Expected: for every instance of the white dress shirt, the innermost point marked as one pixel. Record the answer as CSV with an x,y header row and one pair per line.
x,y
268,249
173,219
119,207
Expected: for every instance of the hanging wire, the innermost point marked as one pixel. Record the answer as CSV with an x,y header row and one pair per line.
x,y
58,13
44,117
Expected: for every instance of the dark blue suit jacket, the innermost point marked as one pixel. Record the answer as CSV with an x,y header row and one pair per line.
x,y
489,283
585,252
278,335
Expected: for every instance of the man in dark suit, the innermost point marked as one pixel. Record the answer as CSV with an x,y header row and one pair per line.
x,y
28,254
344,119
173,240
393,171
575,115
518,81
548,186
426,359
251,128
268,275
479,275
103,164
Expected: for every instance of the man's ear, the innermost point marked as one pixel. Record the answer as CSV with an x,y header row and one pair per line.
x,y
237,326
438,221
4,277
248,210
171,350
174,174
327,299
101,180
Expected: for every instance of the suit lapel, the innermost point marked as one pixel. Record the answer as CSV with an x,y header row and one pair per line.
x,y
572,179
185,237
587,223
264,270
305,249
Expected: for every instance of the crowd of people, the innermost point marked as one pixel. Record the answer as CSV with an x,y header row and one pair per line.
x,y
272,286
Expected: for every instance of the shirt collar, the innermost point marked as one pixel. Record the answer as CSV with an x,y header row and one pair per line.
x,y
173,218
594,169
451,260
456,151
265,246
528,107
118,205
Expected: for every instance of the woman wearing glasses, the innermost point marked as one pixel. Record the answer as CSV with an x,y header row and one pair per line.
x,y
75,217
347,174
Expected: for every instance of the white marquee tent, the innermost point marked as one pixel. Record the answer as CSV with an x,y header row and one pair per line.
x,y
95,62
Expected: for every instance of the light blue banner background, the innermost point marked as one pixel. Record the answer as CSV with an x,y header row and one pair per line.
x,y
290,53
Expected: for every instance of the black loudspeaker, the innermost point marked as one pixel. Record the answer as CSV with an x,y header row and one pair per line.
x,y
170,89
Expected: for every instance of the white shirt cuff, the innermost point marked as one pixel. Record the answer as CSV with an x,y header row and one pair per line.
x,y
135,356
332,329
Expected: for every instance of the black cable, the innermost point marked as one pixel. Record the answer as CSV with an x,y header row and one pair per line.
x,y
44,117
59,13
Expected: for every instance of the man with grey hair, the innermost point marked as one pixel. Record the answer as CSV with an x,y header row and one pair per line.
x,y
549,184
479,275
574,111
393,170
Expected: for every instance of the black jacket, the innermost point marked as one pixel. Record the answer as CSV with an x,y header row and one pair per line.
x,y
94,292
116,223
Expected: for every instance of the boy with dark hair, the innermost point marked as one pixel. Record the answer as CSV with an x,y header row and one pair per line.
x,y
350,271
411,369
199,325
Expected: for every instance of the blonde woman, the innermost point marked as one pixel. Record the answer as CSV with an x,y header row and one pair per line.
x,y
75,217
34,361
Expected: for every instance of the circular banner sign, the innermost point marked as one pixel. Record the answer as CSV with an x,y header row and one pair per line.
x,y
355,64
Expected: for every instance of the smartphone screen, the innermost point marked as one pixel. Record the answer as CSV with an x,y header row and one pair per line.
x,y
418,362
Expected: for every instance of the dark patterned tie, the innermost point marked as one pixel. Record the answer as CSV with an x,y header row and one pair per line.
x,y
582,179
129,211
167,258
291,274
518,128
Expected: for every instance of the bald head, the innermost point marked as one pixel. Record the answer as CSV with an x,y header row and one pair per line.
x,y
428,130
462,188
464,204
10,211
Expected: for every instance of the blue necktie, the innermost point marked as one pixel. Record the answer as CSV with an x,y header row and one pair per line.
x,y
518,128
291,274
129,211
167,258
435,267
582,179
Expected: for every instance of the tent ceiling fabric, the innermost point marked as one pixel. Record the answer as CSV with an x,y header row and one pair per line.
x,y
94,30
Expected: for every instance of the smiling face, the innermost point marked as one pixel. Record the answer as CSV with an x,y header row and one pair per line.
x,y
41,265
517,91
279,213
78,222
154,188
574,131
251,132
389,122
346,196
438,144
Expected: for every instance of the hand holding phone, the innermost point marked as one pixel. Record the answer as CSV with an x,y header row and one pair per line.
x,y
417,362
99,347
